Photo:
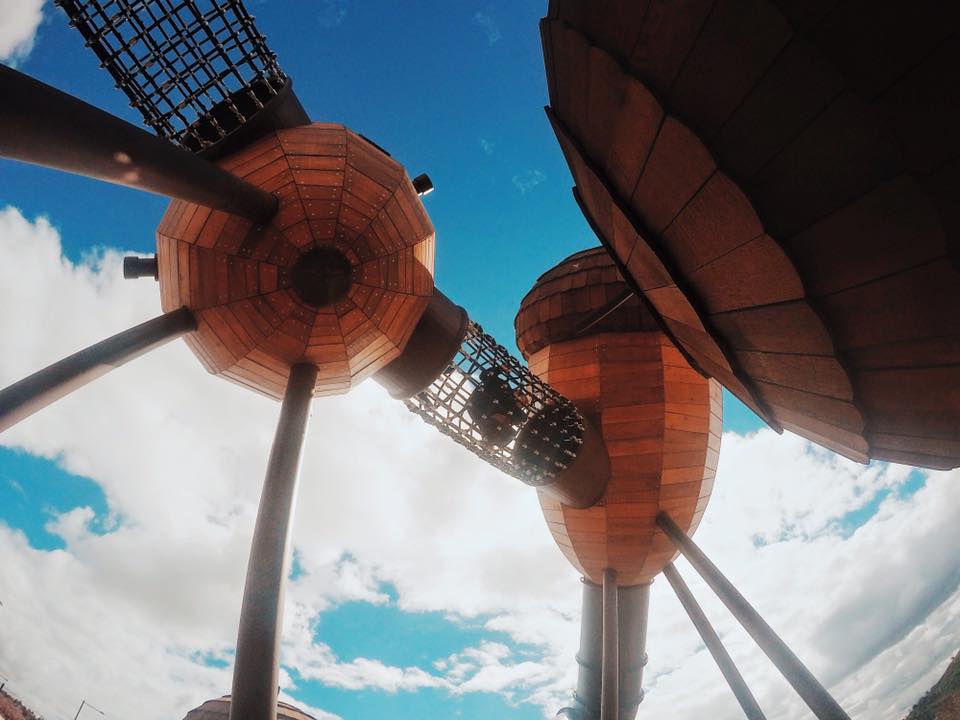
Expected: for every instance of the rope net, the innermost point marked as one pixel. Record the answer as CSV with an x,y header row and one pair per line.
x,y
196,70
495,407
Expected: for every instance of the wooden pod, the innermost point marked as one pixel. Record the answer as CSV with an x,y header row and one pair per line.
x,y
339,278
659,419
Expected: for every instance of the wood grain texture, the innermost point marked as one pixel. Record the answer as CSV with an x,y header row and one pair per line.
x,y
782,187
337,190
659,418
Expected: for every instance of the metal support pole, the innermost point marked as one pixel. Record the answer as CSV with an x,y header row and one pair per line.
x,y
83,704
820,702
256,668
610,669
710,638
590,654
33,393
633,607
41,125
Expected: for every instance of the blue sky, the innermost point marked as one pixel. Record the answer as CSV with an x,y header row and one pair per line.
x,y
455,89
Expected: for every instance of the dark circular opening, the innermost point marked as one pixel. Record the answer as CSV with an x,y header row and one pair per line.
x,y
321,276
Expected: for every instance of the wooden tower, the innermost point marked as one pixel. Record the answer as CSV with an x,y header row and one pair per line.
x,y
584,333
338,278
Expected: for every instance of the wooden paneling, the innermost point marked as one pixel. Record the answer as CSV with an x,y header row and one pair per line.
x,y
581,291
334,189
784,194
659,418
660,421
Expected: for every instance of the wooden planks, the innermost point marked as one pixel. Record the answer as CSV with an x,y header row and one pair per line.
x,y
660,421
334,189
583,290
659,418
784,198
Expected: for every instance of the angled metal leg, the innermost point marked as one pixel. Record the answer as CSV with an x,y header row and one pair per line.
x,y
610,670
256,669
710,638
820,702
33,393
41,125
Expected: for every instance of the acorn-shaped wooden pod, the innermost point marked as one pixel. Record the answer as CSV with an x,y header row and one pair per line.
x,y
338,279
582,331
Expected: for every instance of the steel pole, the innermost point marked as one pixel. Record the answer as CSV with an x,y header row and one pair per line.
x,y
256,668
610,669
44,126
818,699
35,392
710,638
590,654
633,608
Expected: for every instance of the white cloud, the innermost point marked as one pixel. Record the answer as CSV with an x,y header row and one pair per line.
x,y
528,180
487,146
122,619
488,23
332,13
19,20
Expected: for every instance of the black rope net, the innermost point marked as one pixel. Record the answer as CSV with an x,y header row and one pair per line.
x,y
195,69
496,408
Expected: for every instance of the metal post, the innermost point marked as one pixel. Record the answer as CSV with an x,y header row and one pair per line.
x,y
33,393
610,669
256,668
590,654
41,125
820,702
83,704
710,638
633,608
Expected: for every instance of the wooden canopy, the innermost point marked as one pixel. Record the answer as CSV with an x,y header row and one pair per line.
x,y
781,180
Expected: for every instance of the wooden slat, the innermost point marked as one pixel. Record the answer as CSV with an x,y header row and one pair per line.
x,y
333,190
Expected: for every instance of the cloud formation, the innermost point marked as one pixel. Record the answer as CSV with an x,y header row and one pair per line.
x,y
332,13
19,20
527,180
486,21
130,619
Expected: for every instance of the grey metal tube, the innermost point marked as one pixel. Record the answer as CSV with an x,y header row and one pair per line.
x,y
590,655
35,392
256,668
818,699
610,669
633,608
42,125
710,638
